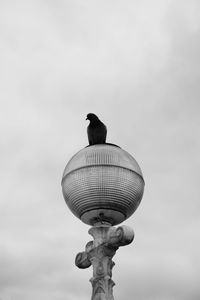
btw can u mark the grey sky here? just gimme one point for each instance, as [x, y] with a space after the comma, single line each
[135, 64]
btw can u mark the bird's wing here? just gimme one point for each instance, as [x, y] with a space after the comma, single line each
[103, 131]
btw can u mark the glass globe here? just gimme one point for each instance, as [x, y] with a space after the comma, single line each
[102, 183]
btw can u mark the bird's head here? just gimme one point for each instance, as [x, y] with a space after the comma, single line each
[92, 117]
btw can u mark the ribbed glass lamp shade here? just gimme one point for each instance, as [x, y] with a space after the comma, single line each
[102, 183]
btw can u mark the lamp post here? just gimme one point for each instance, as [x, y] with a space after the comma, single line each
[103, 186]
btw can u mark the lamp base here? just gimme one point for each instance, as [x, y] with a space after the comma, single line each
[102, 215]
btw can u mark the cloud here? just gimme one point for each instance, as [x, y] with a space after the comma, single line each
[136, 64]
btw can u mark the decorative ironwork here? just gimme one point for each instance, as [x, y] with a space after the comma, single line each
[99, 254]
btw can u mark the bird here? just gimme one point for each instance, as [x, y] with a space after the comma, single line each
[96, 130]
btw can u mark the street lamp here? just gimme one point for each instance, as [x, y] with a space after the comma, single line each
[103, 186]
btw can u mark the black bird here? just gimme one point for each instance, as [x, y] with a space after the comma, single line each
[96, 130]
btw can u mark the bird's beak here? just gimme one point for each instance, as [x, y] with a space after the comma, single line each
[86, 118]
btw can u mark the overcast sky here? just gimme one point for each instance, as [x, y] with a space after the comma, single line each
[136, 64]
